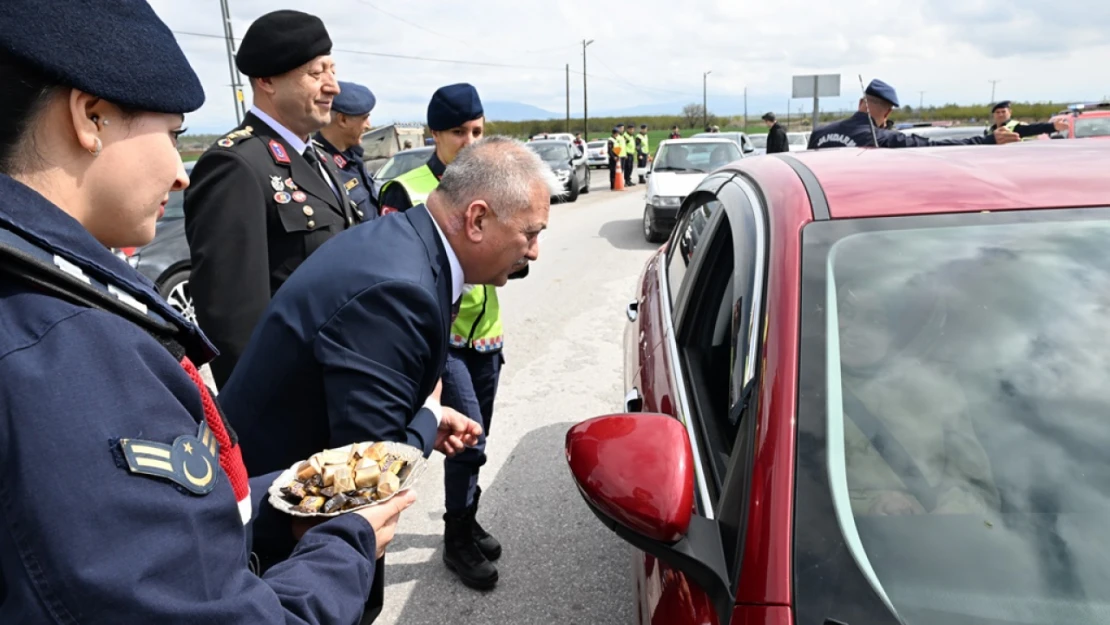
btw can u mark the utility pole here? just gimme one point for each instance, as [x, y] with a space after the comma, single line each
[745, 109]
[921, 100]
[993, 83]
[236, 80]
[585, 107]
[704, 98]
[568, 97]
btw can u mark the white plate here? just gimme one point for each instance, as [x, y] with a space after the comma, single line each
[408, 453]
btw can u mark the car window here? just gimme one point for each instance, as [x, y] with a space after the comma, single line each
[175, 208]
[953, 385]
[695, 157]
[552, 153]
[686, 238]
[759, 141]
[795, 139]
[1092, 127]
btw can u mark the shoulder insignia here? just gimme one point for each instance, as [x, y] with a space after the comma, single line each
[225, 143]
[340, 162]
[230, 138]
[191, 461]
[352, 183]
[278, 152]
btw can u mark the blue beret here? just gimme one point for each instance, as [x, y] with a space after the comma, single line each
[1005, 104]
[118, 50]
[883, 91]
[353, 99]
[615, 129]
[281, 41]
[452, 106]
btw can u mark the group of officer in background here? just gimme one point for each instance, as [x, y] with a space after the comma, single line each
[630, 149]
[270, 193]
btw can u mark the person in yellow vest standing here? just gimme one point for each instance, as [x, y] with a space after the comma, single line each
[456, 119]
[642, 151]
[1002, 115]
[629, 153]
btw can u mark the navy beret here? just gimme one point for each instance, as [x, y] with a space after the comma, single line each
[883, 91]
[1005, 104]
[615, 129]
[454, 105]
[120, 51]
[281, 41]
[353, 99]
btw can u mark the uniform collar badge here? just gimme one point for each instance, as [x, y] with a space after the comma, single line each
[278, 152]
[340, 162]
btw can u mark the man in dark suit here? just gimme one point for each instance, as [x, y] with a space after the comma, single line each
[264, 197]
[353, 345]
[776, 135]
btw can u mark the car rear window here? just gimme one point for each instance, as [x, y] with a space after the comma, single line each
[1092, 127]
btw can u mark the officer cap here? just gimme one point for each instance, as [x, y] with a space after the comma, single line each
[631, 124]
[454, 105]
[615, 129]
[281, 41]
[1005, 104]
[353, 99]
[643, 126]
[620, 125]
[883, 91]
[120, 51]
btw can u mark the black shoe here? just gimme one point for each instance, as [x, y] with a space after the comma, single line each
[489, 545]
[462, 555]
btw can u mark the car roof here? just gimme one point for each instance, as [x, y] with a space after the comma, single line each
[696, 140]
[423, 148]
[871, 182]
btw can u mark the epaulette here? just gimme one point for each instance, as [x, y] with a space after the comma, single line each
[232, 137]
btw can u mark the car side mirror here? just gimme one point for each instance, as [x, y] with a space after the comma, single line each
[636, 474]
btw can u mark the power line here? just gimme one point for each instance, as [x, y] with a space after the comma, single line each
[635, 86]
[400, 56]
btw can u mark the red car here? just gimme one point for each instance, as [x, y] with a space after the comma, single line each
[1088, 121]
[870, 387]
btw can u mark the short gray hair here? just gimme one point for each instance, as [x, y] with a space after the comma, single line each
[499, 170]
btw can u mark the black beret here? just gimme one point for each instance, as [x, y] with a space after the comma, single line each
[120, 51]
[1005, 104]
[281, 41]
[353, 99]
[454, 105]
[883, 91]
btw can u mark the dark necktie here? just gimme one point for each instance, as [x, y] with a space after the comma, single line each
[314, 160]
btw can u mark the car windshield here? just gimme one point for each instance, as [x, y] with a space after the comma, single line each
[1092, 127]
[552, 152]
[403, 162]
[695, 157]
[596, 145]
[759, 141]
[954, 419]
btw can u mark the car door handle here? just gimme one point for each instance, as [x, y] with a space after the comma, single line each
[633, 310]
[633, 401]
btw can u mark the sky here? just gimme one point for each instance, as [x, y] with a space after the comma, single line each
[657, 52]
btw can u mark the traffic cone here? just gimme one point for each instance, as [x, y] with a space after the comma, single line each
[618, 184]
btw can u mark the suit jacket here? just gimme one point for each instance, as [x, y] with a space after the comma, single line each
[253, 212]
[349, 348]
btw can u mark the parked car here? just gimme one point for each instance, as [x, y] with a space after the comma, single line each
[946, 132]
[799, 141]
[869, 386]
[401, 163]
[759, 142]
[678, 167]
[1087, 121]
[554, 136]
[596, 155]
[568, 164]
[165, 260]
[741, 139]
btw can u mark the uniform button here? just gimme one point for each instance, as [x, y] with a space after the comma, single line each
[311, 224]
[308, 212]
[361, 214]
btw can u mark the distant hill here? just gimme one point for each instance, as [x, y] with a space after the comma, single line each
[516, 112]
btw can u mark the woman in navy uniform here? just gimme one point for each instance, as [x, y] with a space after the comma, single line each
[124, 498]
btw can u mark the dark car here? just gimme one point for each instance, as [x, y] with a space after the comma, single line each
[568, 163]
[165, 260]
[869, 387]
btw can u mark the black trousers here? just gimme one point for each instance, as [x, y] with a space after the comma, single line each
[612, 173]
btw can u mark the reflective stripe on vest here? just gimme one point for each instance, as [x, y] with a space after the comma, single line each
[479, 322]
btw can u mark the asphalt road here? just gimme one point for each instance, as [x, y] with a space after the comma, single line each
[564, 330]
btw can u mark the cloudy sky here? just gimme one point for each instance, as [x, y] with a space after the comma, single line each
[516, 50]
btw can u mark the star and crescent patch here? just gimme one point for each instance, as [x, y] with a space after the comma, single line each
[191, 461]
